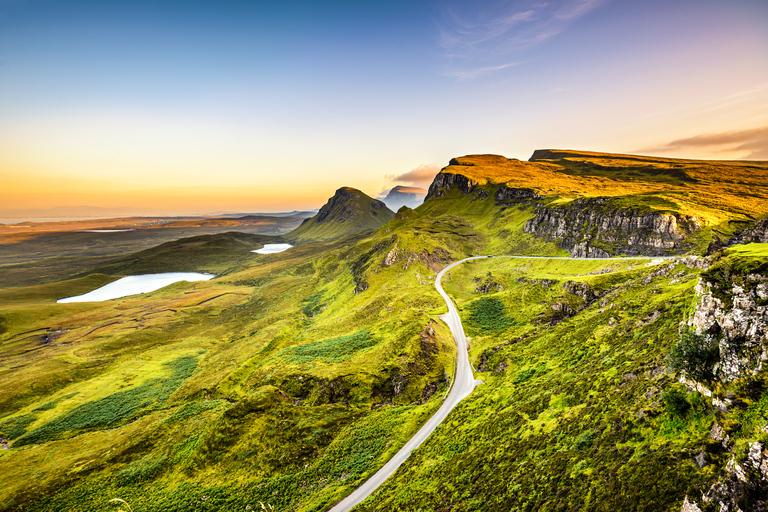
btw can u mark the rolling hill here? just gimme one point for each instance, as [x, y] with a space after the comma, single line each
[634, 384]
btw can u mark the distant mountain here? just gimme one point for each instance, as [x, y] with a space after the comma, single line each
[348, 211]
[401, 196]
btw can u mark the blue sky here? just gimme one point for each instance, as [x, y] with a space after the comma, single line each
[210, 106]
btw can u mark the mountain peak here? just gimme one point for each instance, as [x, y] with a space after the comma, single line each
[404, 196]
[348, 211]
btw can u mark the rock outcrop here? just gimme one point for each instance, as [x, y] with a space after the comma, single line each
[506, 194]
[444, 182]
[741, 323]
[757, 233]
[594, 228]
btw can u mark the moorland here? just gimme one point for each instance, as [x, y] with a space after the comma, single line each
[290, 378]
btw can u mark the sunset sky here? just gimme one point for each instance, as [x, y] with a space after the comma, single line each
[203, 106]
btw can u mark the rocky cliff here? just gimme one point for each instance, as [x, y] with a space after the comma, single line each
[595, 228]
[445, 182]
[741, 323]
[732, 310]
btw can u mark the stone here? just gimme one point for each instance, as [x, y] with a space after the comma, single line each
[689, 506]
[701, 459]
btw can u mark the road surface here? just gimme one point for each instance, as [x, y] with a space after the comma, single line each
[463, 384]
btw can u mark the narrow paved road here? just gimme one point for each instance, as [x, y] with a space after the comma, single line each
[463, 384]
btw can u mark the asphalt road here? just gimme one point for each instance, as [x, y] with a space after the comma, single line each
[463, 384]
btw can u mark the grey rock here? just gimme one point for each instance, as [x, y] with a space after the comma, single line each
[587, 223]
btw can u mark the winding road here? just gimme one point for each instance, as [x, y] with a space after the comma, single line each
[463, 384]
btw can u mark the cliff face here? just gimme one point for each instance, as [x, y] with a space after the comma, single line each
[741, 321]
[444, 182]
[757, 233]
[732, 306]
[594, 228]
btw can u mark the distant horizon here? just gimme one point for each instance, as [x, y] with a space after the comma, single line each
[196, 107]
[74, 212]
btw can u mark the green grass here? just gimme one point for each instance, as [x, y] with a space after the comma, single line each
[290, 378]
[334, 350]
[113, 409]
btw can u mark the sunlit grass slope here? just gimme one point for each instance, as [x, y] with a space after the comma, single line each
[289, 378]
[274, 383]
[716, 191]
[570, 417]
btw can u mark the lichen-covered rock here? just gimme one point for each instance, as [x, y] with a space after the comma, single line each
[741, 325]
[689, 506]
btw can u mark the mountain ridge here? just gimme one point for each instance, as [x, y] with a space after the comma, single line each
[348, 211]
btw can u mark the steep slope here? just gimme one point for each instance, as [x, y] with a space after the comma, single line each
[292, 377]
[595, 204]
[348, 211]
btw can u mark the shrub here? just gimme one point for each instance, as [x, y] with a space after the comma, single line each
[675, 403]
[312, 305]
[333, 349]
[14, 427]
[488, 314]
[584, 440]
[696, 354]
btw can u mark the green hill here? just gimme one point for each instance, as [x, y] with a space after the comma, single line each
[291, 378]
[348, 211]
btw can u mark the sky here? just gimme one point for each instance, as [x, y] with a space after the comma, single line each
[194, 106]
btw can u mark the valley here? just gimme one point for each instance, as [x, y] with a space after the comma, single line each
[582, 281]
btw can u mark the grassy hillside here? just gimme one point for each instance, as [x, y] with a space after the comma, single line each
[714, 190]
[570, 416]
[240, 389]
[291, 377]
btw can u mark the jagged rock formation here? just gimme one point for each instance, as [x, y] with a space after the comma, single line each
[732, 306]
[594, 228]
[756, 233]
[741, 325]
[444, 182]
[348, 211]
[401, 196]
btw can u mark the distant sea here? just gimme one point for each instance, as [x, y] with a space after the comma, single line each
[55, 219]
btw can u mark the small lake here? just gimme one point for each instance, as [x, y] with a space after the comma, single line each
[134, 285]
[273, 248]
[104, 230]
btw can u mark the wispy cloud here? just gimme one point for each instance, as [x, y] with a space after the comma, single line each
[481, 37]
[752, 144]
[474, 73]
[421, 176]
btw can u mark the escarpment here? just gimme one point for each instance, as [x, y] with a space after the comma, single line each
[594, 228]
[444, 182]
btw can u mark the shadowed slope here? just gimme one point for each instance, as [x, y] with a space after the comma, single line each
[348, 211]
